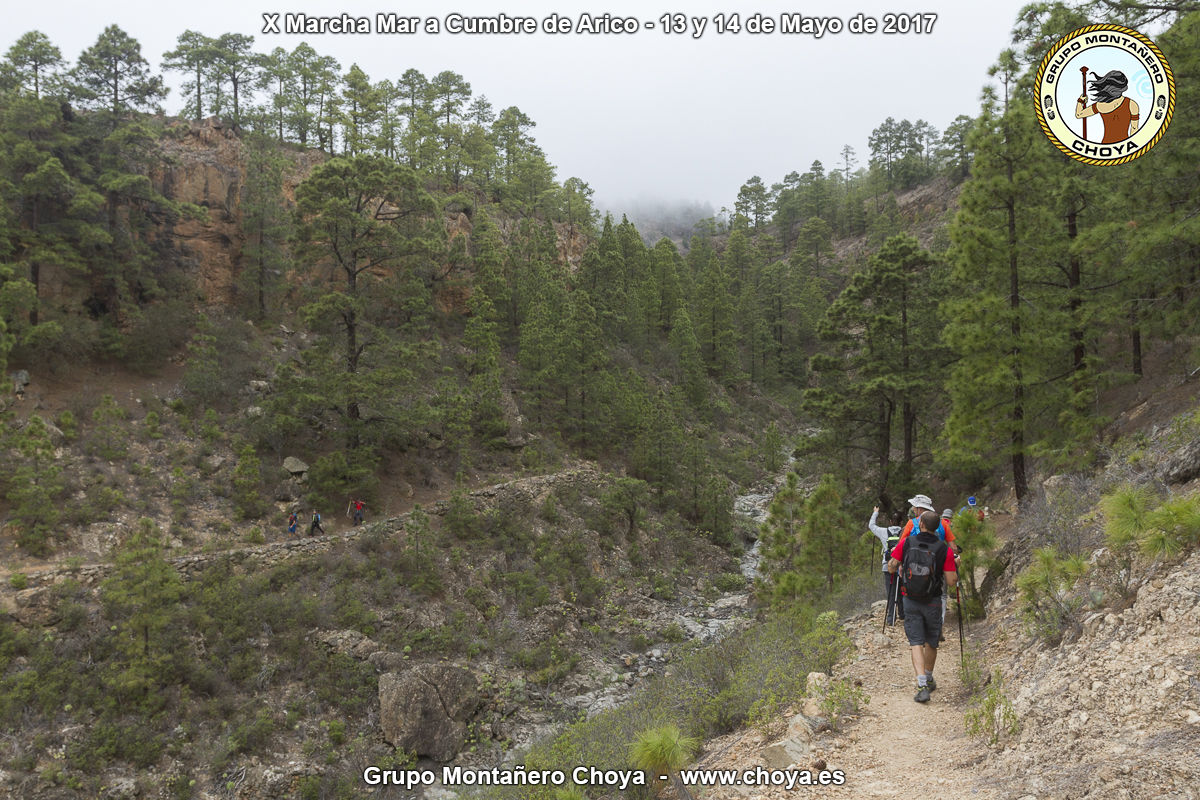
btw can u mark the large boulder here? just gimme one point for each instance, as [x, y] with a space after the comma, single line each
[34, 608]
[350, 643]
[1183, 465]
[426, 710]
[294, 467]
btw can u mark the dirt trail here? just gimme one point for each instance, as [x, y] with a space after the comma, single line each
[896, 748]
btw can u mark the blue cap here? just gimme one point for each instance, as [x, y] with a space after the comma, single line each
[970, 501]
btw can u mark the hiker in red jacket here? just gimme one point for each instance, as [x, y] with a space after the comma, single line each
[926, 564]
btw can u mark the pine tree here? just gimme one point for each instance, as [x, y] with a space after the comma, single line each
[885, 355]
[267, 225]
[361, 110]
[275, 76]
[1156, 237]
[311, 77]
[538, 350]
[782, 545]
[955, 150]
[664, 750]
[1007, 386]
[577, 205]
[360, 217]
[194, 55]
[56, 213]
[483, 368]
[142, 597]
[828, 549]
[667, 296]
[714, 307]
[35, 63]
[582, 361]
[35, 486]
[112, 74]
[753, 201]
[237, 65]
[108, 438]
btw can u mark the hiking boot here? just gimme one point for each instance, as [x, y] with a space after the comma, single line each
[930, 683]
[922, 694]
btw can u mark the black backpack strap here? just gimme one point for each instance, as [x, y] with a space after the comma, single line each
[939, 559]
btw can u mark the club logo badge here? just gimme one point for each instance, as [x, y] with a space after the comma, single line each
[1105, 94]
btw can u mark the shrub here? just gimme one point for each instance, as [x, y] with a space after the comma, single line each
[549, 510]
[67, 424]
[460, 518]
[992, 714]
[664, 750]
[971, 672]
[549, 659]
[730, 582]
[842, 699]
[252, 735]
[151, 423]
[673, 633]
[1135, 523]
[333, 477]
[1049, 604]
[712, 689]
[108, 440]
[121, 740]
[247, 476]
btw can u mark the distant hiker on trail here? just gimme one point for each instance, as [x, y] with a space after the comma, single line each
[316, 524]
[973, 506]
[357, 506]
[889, 537]
[293, 523]
[925, 565]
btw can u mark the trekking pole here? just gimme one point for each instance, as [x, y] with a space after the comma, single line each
[887, 605]
[889, 608]
[962, 659]
[899, 598]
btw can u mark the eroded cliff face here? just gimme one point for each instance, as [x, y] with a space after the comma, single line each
[204, 163]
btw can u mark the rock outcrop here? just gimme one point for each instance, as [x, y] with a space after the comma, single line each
[204, 163]
[1181, 466]
[427, 709]
[1116, 712]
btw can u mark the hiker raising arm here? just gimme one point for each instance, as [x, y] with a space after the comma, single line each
[888, 537]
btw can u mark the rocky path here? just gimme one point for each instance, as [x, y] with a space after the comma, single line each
[895, 748]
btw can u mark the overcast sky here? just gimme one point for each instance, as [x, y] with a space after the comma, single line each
[643, 115]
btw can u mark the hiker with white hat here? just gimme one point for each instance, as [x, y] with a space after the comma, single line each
[920, 504]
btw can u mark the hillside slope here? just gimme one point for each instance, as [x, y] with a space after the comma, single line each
[1105, 705]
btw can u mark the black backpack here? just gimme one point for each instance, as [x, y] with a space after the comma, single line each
[893, 537]
[923, 566]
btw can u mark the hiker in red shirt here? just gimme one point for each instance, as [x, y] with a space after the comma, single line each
[925, 563]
